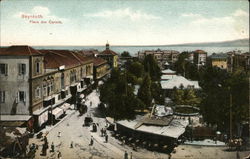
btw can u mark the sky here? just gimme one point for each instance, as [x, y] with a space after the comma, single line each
[121, 22]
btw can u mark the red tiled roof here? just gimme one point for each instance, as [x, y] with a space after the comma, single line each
[98, 61]
[19, 50]
[200, 51]
[57, 58]
[108, 52]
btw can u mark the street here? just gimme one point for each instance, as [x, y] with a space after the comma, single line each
[72, 131]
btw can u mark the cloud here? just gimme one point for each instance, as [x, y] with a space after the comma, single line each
[40, 10]
[240, 13]
[191, 15]
[124, 13]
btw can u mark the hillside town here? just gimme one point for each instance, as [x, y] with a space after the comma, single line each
[104, 104]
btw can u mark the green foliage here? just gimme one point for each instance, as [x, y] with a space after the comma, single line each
[157, 93]
[125, 54]
[151, 66]
[119, 96]
[185, 97]
[144, 92]
[185, 67]
[137, 69]
[217, 86]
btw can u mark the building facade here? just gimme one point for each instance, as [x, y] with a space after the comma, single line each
[218, 60]
[41, 83]
[161, 56]
[110, 56]
[200, 58]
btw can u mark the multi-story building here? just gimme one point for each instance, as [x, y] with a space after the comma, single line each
[161, 56]
[101, 68]
[218, 60]
[199, 57]
[238, 60]
[110, 56]
[37, 82]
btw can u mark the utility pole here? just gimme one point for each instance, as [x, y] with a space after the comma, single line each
[231, 124]
[249, 111]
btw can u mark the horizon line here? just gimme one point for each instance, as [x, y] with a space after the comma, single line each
[139, 45]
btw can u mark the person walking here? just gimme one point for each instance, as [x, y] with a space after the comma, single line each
[71, 144]
[131, 156]
[106, 138]
[59, 155]
[125, 155]
[91, 141]
[59, 134]
[52, 147]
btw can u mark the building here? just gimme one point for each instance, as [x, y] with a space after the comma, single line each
[41, 83]
[110, 56]
[218, 60]
[238, 60]
[200, 58]
[101, 68]
[161, 56]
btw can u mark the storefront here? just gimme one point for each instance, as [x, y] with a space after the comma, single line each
[41, 117]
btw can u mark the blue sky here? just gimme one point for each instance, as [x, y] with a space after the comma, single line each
[127, 22]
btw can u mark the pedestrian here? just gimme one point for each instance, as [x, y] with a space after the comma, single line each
[104, 131]
[106, 138]
[169, 156]
[52, 147]
[91, 141]
[71, 144]
[44, 150]
[101, 132]
[59, 134]
[125, 155]
[59, 155]
[45, 140]
[131, 156]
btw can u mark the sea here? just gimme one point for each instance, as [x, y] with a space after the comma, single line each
[133, 50]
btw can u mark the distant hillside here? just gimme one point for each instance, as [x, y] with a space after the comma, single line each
[234, 43]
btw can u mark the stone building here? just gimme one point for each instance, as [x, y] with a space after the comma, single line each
[200, 58]
[110, 56]
[218, 60]
[38, 83]
[161, 56]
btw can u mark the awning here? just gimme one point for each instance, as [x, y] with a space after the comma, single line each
[15, 117]
[57, 112]
[42, 118]
[65, 106]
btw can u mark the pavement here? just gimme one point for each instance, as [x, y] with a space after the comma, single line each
[73, 131]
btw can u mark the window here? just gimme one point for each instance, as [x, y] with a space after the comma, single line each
[44, 90]
[37, 67]
[38, 92]
[21, 69]
[21, 97]
[3, 69]
[2, 96]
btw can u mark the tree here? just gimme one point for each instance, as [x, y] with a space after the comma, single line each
[151, 66]
[185, 97]
[125, 54]
[144, 92]
[119, 96]
[157, 93]
[136, 68]
[217, 85]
